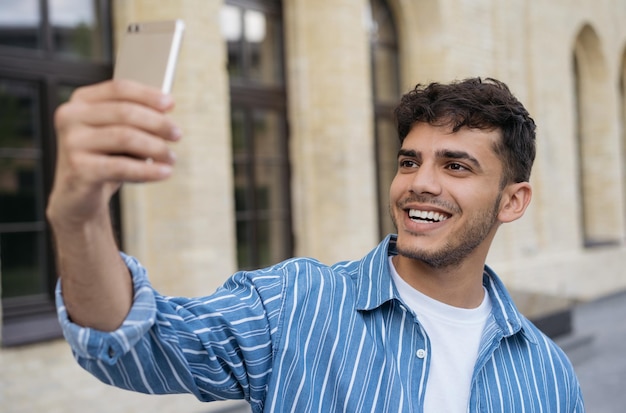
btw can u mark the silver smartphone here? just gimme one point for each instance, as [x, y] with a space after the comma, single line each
[148, 52]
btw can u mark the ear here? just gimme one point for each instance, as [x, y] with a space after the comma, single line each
[515, 200]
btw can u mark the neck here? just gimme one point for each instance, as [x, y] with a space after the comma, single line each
[459, 286]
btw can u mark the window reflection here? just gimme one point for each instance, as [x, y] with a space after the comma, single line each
[76, 29]
[253, 34]
[261, 198]
[61, 43]
[21, 267]
[254, 45]
[19, 151]
[75, 32]
[21, 204]
[18, 194]
[18, 112]
[20, 23]
[254, 23]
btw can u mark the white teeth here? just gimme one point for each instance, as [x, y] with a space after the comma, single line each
[427, 215]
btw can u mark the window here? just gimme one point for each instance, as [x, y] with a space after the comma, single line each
[598, 161]
[47, 48]
[386, 92]
[253, 32]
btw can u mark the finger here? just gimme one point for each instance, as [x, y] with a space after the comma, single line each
[127, 141]
[137, 116]
[103, 168]
[127, 90]
[126, 114]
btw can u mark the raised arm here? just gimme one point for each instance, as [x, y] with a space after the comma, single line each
[107, 134]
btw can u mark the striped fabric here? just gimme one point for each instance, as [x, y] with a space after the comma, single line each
[305, 337]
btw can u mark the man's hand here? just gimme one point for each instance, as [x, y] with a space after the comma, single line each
[107, 134]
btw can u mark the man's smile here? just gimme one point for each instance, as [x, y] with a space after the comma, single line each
[426, 216]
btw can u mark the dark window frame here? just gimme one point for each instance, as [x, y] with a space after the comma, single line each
[383, 110]
[248, 96]
[32, 318]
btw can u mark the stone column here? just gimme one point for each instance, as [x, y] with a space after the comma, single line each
[183, 229]
[331, 131]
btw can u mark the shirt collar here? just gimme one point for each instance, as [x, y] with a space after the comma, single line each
[374, 282]
[375, 287]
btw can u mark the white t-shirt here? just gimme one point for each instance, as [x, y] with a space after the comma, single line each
[454, 335]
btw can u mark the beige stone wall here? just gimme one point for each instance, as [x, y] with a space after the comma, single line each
[530, 45]
[333, 181]
[183, 229]
[545, 252]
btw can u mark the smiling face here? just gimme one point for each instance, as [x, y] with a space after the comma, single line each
[445, 198]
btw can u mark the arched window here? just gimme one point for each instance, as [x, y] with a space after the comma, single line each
[386, 92]
[596, 150]
[253, 31]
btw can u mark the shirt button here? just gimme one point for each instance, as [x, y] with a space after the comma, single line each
[421, 353]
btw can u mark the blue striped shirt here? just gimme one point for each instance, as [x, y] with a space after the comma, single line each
[301, 336]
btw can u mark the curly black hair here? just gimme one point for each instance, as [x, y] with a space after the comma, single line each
[477, 104]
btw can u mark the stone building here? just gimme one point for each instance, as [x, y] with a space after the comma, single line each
[289, 146]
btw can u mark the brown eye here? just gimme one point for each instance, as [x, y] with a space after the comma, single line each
[407, 163]
[457, 167]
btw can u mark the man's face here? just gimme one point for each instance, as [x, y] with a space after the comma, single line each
[445, 197]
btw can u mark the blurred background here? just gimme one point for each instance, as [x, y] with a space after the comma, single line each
[289, 149]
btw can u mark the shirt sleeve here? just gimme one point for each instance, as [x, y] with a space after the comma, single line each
[94, 344]
[215, 347]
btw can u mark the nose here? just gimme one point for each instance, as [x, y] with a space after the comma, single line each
[426, 180]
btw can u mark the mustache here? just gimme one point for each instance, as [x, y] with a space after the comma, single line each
[427, 200]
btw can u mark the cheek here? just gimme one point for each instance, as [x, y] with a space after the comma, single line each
[477, 199]
[397, 188]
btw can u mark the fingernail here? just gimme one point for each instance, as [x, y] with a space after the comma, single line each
[176, 134]
[165, 170]
[166, 101]
[171, 157]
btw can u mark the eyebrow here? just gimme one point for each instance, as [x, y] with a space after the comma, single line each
[409, 153]
[442, 154]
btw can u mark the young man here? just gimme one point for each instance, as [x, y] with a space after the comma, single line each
[418, 324]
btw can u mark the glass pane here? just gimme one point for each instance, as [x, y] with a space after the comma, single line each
[254, 45]
[77, 29]
[271, 241]
[243, 201]
[244, 247]
[386, 69]
[20, 163]
[268, 134]
[384, 27]
[65, 92]
[20, 264]
[237, 127]
[270, 189]
[19, 115]
[20, 22]
[388, 146]
[263, 39]
[231, 24]
[18, 191]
